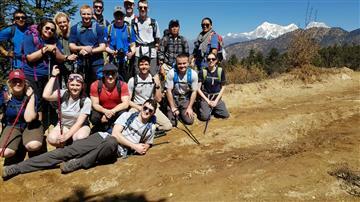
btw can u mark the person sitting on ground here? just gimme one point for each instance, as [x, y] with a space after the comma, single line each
[21, 120]
[133, 133]
[181, 86]
[143, 87]
[211, 89]
[74, 111]
[109, 97]
[120, 44]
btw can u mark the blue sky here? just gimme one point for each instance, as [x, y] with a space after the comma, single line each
[242, 16]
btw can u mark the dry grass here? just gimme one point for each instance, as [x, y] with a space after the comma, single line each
[239, 74]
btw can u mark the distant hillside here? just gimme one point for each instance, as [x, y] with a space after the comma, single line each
[325, 36]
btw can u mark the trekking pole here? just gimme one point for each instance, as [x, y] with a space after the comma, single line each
[59, 106]
[187, 131]
[13, 126]
[208, 120]
[48, 106]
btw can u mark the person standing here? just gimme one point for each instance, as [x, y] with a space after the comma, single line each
[129, 7]
[15, 34]
[120, 44]
[171, 45]
[87, 40]
[147, 36]
[98, 7]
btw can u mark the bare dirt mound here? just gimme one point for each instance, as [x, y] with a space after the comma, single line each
[285, 140]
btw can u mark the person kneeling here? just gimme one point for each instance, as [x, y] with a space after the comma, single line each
[132, 133]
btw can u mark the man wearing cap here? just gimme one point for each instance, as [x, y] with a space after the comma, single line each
[120, 43]
[98, 6]
[171, 46]
[109, 97]
[147, 36]
[87, 39]
[129, 6]
[21, 121]
[143, 87]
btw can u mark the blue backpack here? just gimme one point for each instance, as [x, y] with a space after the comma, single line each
[188, 76]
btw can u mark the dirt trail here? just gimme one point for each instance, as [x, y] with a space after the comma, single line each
[281, 142]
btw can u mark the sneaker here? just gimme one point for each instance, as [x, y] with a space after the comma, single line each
[10, 171]
[70, 166]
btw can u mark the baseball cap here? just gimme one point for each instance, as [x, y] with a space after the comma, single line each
[17, 74]
[144, 57]
[119, 9]
[174, 22]
[132, 1]
[110, 67]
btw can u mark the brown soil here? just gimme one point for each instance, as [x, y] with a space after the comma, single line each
[285, 140]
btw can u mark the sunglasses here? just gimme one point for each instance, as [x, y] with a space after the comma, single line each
[49, 28]
[145, 108]
[76, 77]
[20, 18]
[99, 7]
[205, 25]
[143, 7]
[16, 81]
[211, 59]
[110, 73]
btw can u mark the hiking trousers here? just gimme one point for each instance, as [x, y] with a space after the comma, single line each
[219, 111]
[91, 150]
[181, 105]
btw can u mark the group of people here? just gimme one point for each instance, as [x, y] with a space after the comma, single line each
[125, 67]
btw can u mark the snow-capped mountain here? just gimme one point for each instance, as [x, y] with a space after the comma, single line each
[265, 30]
[316, 24]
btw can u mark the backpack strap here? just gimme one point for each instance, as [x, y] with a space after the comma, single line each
[204, 71]
[154, 27]
[118, 86]
[188, 76]
[219, 72]
[109, 30]
[79, 29]
[12, 30]
[99, 88]
[135, 84]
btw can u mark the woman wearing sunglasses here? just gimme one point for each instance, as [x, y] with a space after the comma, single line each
[21, 120]
[207, 42]
[75, 109]
[211, 82]
[62, 21]
[40, 51]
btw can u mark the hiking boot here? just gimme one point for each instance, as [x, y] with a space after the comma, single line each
[10, 171]
[70, 166]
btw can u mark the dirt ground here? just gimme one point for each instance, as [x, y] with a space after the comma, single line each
[285, 140]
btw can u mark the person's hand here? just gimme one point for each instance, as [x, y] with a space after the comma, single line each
[114, 53]
[72, 57]
[109, 113]
[29, 91]
[175, 111]
[140, 148]
[88, 49]
[212, 104]
[10, 54]
[104, 119]
[157, 79]
[189, 112]
[55, 71]
[49, 48]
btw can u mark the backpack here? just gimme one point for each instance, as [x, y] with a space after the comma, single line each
[118, 86]
[221, 54]
[147, 127]
[136, 83]
[110, 29]
[219, 72]
[188, 76]
[135, 26]
[32, 30]
[80, 29]
[182, 40]
[66, 96]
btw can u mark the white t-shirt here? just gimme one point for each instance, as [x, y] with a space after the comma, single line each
[144, 89]
[182, 88]
[145, 35]
[132, 133]
[70, 110]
